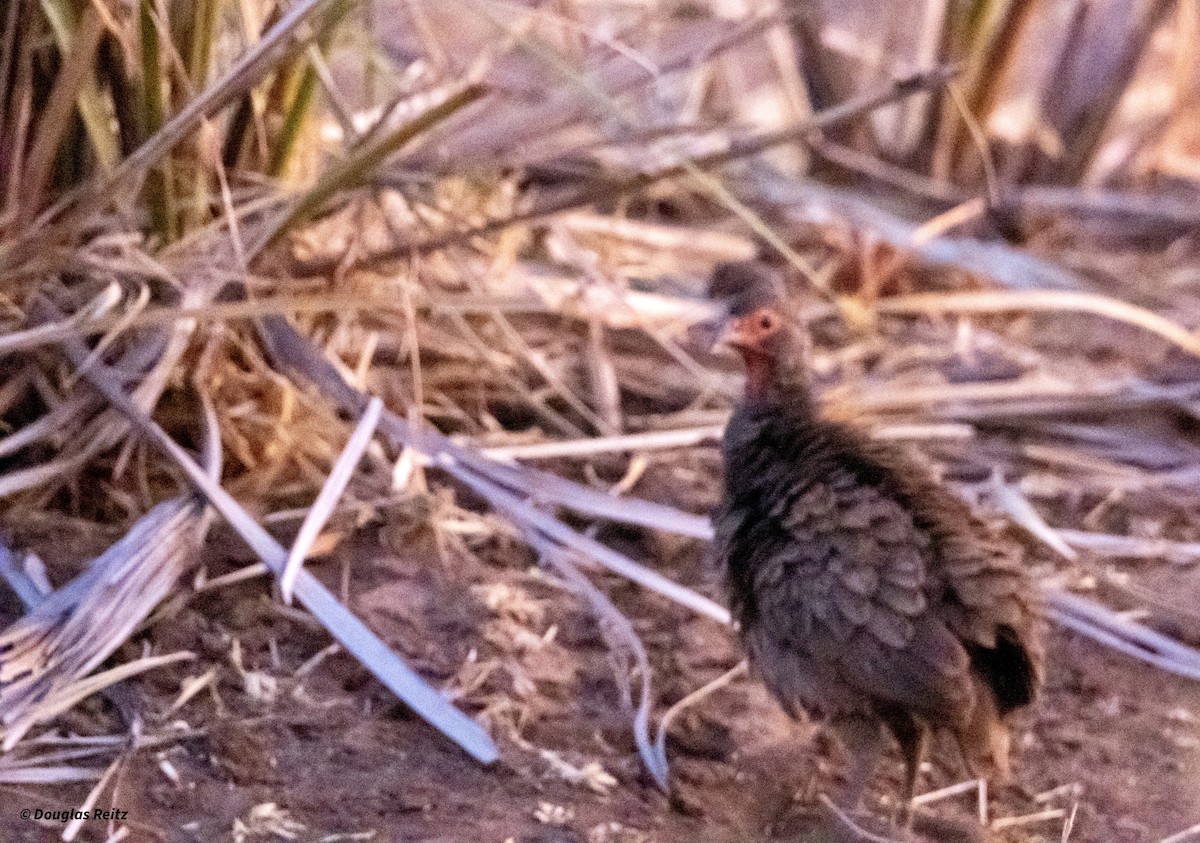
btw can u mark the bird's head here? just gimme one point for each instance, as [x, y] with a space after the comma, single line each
[760, 324]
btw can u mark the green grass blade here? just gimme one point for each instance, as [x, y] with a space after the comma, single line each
[159, 196]
[302, 99]
[64, 22]
[362, 163]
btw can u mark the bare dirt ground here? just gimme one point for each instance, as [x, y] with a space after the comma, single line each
[1116, 741]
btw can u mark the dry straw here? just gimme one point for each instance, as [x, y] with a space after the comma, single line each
[520, 240]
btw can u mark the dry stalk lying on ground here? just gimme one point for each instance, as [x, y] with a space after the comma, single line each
[458, 315]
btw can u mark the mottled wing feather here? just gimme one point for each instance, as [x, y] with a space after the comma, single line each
[847, 588]
[860, 582]
[992, 606]
[985, 595]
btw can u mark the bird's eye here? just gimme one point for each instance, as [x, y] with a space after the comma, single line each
[766, 322]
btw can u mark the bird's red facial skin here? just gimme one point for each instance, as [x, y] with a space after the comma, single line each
[752, 330]
[749, 335]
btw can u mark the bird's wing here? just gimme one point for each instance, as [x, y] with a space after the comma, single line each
[991, 605]
[849, 589]
[984, 594]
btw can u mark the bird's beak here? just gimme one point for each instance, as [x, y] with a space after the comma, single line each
[720, 331]
[732, 334]
[703, 336]
[729, 334]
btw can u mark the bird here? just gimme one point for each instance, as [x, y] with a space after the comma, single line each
[866, 594]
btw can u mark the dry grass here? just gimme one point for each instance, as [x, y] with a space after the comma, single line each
[506, 244]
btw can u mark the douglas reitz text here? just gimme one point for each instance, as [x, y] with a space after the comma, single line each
[67, 816]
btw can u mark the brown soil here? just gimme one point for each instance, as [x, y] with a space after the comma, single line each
[347, 762]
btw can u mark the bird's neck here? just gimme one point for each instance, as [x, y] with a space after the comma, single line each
[775, 427]
[777, 383]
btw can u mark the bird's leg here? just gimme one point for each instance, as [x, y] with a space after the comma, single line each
[912, 737]
[913, 755]
[862, 737]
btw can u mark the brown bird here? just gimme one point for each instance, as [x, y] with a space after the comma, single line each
[865, 592]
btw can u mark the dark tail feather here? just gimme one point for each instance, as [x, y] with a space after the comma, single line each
[984, 739]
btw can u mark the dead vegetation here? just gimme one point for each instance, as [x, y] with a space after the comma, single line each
[225, 227]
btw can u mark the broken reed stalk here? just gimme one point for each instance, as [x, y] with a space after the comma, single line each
[47, 654]
[703, 692]
[621, 638]
[337, 619]
[327, 498]
[618, 184]
[512, 489]
[1045, 301]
